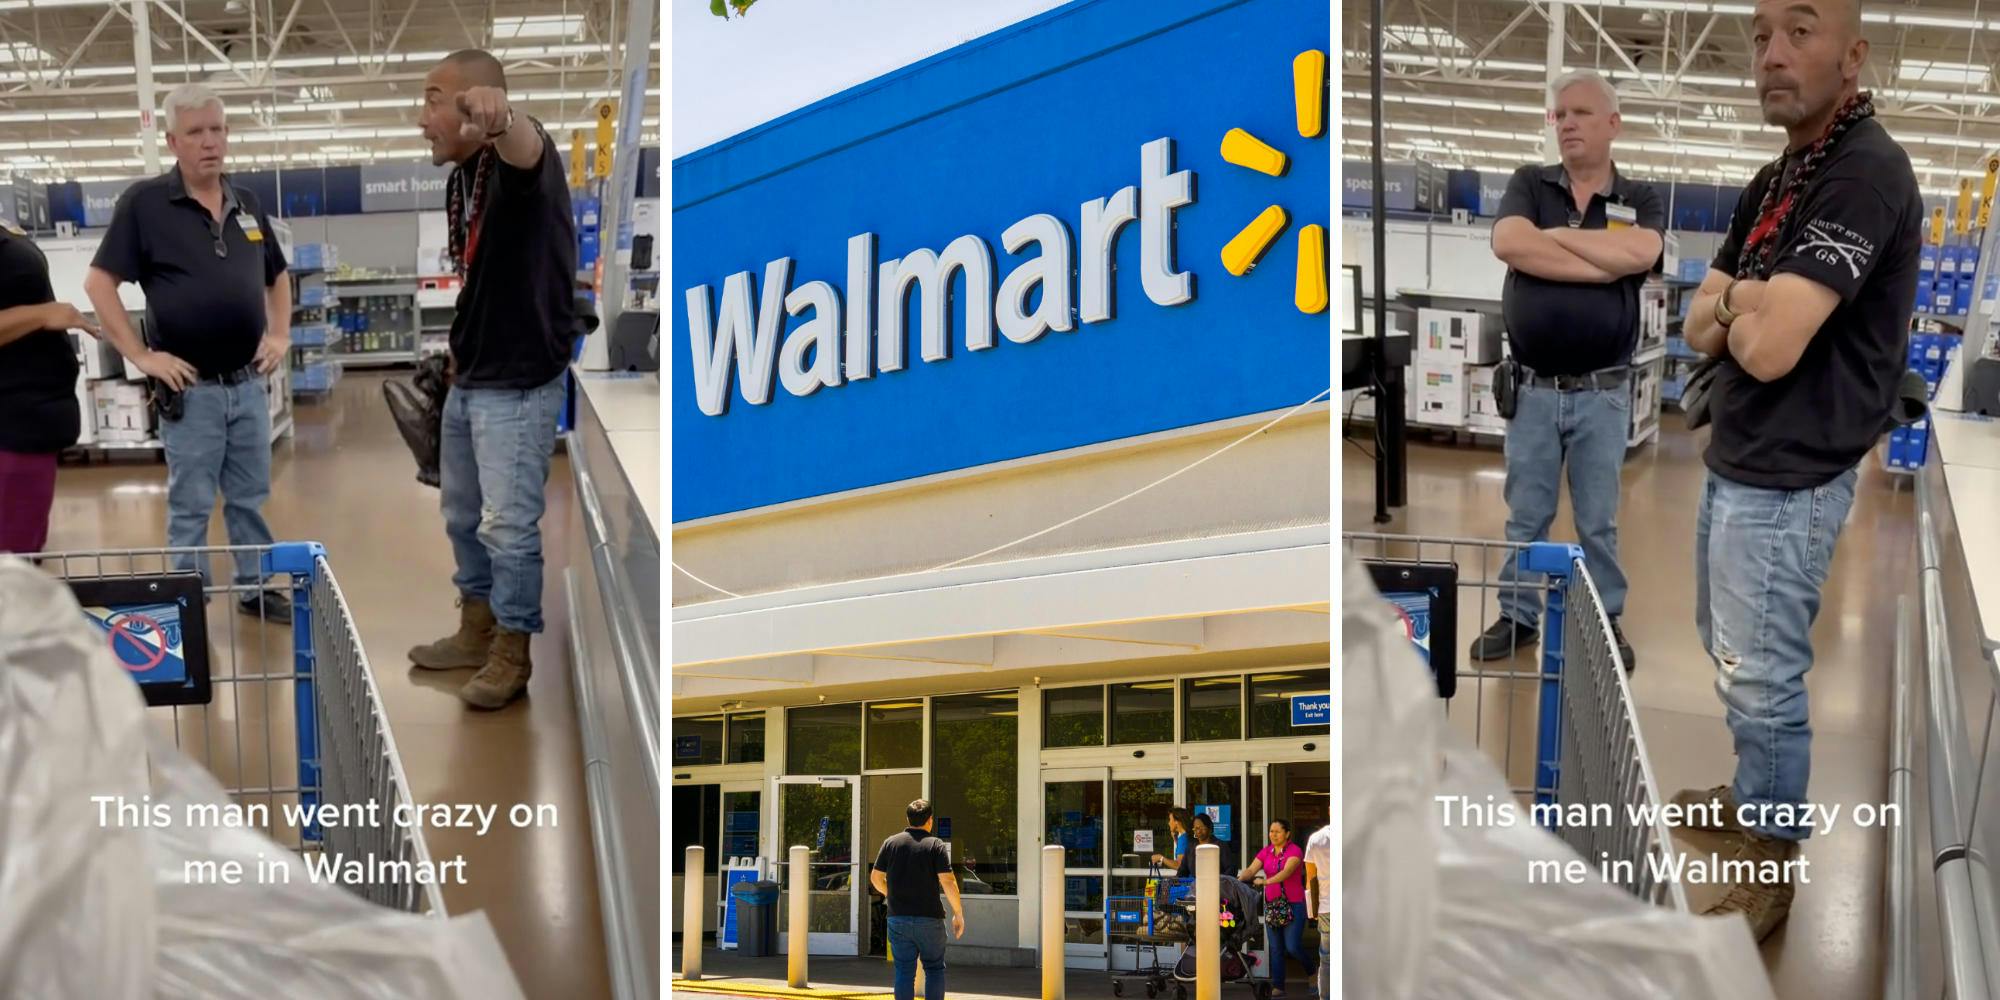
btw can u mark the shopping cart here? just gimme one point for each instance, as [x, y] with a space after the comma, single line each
[288, 717]
[1138, 917]
[1568, 731]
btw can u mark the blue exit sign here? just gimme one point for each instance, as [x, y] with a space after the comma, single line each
[1312, 710]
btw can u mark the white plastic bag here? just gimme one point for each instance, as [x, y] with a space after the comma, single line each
[93, 911]
[1431, 911]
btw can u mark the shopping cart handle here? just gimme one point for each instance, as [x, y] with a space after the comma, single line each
[1552, 558]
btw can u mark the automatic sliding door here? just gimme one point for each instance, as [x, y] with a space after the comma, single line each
[1073, 816]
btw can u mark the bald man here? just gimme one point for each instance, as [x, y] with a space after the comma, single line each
[1807, 307]
[513, 243]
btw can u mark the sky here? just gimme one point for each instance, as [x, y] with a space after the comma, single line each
[729, 76]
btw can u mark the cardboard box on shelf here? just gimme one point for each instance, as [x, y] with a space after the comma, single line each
[1479, 401]
[1446, 336]
[116, 393]
[1440, 392]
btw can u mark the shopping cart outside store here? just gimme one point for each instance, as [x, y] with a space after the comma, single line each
[285, 716]
[1564, 731]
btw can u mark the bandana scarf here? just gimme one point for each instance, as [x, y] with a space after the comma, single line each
[467, 185]
[1760, 247]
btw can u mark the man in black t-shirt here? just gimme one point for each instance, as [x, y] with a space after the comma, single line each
[39, 416]
[1808, 307]
[514, 244]
[1577, 238]
[910, 870]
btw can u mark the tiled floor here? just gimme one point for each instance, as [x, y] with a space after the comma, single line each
[1831, 947]
[346, 480]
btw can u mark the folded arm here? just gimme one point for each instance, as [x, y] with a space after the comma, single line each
[1620, 251]
[1768, 341]
[1524, 248]
[1703, 331]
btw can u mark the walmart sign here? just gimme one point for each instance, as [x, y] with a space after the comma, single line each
[1031, 243]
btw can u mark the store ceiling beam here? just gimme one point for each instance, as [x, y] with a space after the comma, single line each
[1617, 49]
[1494, 42]
[77, 53]
[278, 42]
[205, 43]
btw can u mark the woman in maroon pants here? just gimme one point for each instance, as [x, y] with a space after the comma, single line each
[39, 416]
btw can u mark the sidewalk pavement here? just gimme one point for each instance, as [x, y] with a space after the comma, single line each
[727, 974]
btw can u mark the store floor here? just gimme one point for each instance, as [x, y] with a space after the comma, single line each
[346, 480]
[1831, 947]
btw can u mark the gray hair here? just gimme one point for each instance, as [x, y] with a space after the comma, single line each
[188, 97]
[1588, 77]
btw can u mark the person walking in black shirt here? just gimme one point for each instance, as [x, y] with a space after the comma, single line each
[514, 244]
[1807, 305]
[219, 314]
[910, 870]
[39, 416]
[1577, 238]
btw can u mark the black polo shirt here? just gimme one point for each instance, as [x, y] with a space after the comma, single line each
[1858, 231]
[912, 861]
[1572, 328]
[38, 410]
[516, 319]
[204, 307]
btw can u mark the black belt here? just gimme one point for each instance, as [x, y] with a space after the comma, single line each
[1609, 378]
[237, 377]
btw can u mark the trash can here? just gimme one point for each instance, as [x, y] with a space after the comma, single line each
[756, 918]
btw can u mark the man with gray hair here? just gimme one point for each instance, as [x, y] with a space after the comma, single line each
[219, 313]
[1577, 239]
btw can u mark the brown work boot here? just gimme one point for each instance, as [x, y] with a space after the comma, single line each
[465, 648]
[1763, 897]
[1689, 797]
[505, 676]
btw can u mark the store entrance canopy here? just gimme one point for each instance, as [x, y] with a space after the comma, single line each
[1223, 593]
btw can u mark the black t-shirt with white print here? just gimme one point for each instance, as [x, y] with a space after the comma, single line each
[1857, 231]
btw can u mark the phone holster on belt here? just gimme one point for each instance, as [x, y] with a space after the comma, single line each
[166, 402]
[1506, 388]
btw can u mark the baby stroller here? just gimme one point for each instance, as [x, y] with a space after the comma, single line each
[1241, 931]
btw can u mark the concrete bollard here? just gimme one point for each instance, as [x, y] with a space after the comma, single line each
[799, 887]
[1052, 922]
[1208, 922]
[691, 915]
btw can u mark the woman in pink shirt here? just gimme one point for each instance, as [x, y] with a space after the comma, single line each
[1280, 869]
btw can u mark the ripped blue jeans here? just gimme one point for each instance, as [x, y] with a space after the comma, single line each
[493, 459]
[1761, 557]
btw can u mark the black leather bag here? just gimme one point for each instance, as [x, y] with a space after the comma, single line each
[1696, 394]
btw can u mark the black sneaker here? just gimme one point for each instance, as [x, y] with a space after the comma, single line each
[271, 605]
[1624, 648]
[1503, 640]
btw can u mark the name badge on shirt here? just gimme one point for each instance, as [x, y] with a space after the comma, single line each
[251, 230]
[1620, 217]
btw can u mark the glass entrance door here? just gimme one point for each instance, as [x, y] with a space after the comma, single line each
[1140, 801]
[1217, 791]
[885, 800]
[1073, 815]
[820, 812]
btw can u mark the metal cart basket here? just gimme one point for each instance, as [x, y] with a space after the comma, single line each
[1563, 730]
[292, 718]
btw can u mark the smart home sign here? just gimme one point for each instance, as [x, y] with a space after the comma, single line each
[834, 348]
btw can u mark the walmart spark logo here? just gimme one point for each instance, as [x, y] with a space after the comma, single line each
[1241, 148]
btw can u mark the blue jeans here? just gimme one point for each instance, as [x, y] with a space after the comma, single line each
[221, 443]
[1761, 556]
[913, 938]
[1290, 939]
[1325, 955]
[1584, 430]
[493, 468]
